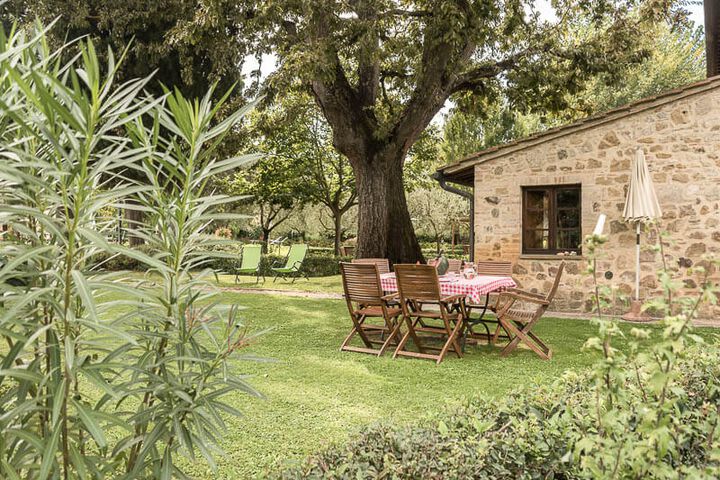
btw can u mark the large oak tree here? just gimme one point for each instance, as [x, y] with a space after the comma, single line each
[380, 70]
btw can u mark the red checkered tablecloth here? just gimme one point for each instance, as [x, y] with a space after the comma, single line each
[474, 289]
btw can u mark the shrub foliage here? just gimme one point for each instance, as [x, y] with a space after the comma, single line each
[101, 377]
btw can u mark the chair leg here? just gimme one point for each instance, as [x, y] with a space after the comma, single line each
[527, 337]
[452, 340]
[393, 335]
[357, 330]
[496, 335]
[409, 334]
[547, 351]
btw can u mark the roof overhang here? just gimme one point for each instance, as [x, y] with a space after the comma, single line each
[463, 171]
[462, 174]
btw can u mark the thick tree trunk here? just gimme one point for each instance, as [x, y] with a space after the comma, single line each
[384, 226]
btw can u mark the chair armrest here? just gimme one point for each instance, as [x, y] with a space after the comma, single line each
[452, 298]
[525, 293]
[522, 297]
[297, 265]
[391, 296]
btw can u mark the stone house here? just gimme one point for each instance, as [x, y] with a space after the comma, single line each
[536, 198]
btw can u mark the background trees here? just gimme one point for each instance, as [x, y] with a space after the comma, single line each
[676, 57]
[434, 212]
[380, 71]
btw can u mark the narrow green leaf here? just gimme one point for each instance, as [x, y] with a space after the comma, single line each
[92, 426]
[85, 293]
[48, 458]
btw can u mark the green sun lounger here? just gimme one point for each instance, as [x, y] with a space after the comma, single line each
[293, 263]
[250, 262]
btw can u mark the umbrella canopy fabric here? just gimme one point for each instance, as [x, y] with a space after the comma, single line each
[641, 203]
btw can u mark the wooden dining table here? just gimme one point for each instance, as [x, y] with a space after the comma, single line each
[474, 289]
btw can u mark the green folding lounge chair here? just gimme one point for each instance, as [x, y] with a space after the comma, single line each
[293, 263]
[250, 262]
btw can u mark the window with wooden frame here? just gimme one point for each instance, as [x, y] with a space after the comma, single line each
[551, 219]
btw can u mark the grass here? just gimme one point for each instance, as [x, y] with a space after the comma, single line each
[316, 395]
[331, 284]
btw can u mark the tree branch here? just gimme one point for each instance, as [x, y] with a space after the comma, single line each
[475, 78]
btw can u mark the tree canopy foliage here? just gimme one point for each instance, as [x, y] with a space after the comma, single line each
[155, 31]
[675, 58]
[380, 70]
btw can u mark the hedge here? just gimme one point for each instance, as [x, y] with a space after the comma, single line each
[317, 264]
[544, 432]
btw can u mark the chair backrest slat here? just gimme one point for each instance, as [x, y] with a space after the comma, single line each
[361, 282]
[454, 265]
[417, 282]
[297, 254]
[494, 268]
[383, 264]
[251, 255]
[556, 284]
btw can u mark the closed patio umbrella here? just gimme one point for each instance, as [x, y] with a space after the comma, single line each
[641, 205]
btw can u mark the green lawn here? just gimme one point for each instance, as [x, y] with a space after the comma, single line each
[331, 284]
[317, 395]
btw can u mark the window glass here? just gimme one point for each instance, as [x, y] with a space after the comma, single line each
[551, 219]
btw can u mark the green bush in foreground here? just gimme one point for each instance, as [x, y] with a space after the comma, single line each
[548, 432]
[639, 413]
[93, 386]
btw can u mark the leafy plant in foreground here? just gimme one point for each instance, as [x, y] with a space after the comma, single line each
[100, 377]
[187, 335]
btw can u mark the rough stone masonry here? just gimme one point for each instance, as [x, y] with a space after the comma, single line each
[680, 134]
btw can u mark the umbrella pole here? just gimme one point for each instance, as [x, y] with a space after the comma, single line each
[637, 262]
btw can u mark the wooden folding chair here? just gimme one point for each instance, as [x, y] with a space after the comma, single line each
[493, 268]
[454, 265]
[365, 300]
[519, 322]
[418, 286]
[383, 264]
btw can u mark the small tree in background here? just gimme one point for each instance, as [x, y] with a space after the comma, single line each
[271, 190]
[435, 211]
[295, 131]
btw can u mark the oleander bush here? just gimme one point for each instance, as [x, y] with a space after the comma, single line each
[101, 377]
[640, 412]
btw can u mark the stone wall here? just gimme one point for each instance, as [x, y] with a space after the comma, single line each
[681, 141]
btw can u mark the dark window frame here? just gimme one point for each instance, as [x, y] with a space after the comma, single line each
[553, 214]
